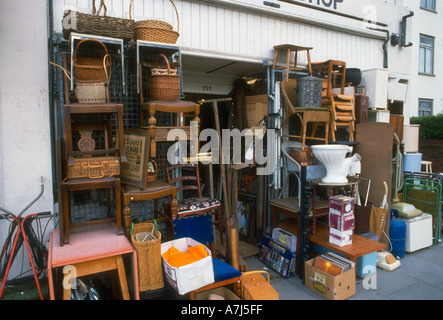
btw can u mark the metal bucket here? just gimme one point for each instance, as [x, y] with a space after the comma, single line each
[309, 92]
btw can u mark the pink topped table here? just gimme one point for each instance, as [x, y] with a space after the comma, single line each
[93, 249]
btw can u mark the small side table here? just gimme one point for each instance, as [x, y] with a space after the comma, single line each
[92, 250]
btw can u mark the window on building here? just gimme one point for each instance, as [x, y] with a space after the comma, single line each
[427, 4]
[426, 55]
[424, 107]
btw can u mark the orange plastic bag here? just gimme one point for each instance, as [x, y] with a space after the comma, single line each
[177, 259]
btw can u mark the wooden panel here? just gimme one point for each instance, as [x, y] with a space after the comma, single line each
[375, 147]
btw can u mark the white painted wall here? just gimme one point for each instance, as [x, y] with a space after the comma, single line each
[426, 87]
[25, 151]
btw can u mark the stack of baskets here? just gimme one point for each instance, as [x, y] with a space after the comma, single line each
[92, 75]
[156, 30]
[146, 239]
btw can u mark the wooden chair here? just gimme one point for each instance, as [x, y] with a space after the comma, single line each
[189, 179]
[317, 116]
[151, 107]
[342, 106]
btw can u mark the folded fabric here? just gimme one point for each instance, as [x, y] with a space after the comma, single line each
[177, 258]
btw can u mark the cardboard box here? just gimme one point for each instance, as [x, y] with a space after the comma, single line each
[342, 222]
[341, 213]
[340, 238]
[189, 277]
[341, 204]
[339, 287]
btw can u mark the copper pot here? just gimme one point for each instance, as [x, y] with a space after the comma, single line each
[303, 156]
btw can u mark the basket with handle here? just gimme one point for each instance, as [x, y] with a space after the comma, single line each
[97, 25]
[91, 91]
[164, 86]
[90, 68]
[146, 240]
[156, 30]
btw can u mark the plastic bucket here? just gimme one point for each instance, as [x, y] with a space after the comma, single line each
[412, 162]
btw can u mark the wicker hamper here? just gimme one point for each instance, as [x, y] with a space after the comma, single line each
[95, 24]
[146, 239]
[93, 167]
[164, 86]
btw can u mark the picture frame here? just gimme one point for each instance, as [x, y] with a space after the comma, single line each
[134, 170]
[246, 217]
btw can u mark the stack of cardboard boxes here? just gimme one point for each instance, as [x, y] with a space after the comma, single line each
[341, 220]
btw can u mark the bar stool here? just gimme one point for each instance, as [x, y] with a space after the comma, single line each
[287, 50]
[428, 166]
[92, 251]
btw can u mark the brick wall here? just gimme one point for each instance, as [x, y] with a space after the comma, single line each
[432, 150]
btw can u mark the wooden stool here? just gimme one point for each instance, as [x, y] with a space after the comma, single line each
[154, 191]
[288, 49]
[428, 166]
[92, 250]
[68, 186]
[334, 71]
[91, 109]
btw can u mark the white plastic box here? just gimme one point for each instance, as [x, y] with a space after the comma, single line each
[189, 277]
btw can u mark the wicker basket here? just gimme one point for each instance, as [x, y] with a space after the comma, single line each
[93, 168]
[146, 239]
[97, 25]
[90, 68]
[156, 30]
[164, 86]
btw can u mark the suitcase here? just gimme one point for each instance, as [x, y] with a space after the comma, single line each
[256, 287]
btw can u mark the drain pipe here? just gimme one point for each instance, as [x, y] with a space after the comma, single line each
[385, 50]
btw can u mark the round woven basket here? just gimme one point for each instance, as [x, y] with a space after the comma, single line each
[156, 30]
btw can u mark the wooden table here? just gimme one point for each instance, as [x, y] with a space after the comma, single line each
[93, 249]
[360, 246]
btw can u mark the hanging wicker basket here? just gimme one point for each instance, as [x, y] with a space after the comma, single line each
[164, 85]
[156, 30]
[91, 69]
[95, 24]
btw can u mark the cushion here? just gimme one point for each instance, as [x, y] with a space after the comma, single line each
[223, 271]
[193, 204]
